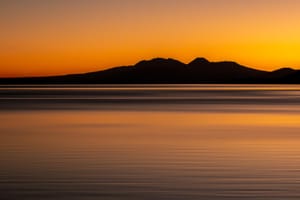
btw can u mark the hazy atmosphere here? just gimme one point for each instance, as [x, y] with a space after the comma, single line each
[68, 36]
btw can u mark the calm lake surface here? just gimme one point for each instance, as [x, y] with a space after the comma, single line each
[152, 142]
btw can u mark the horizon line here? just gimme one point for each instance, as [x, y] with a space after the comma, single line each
[132, 65]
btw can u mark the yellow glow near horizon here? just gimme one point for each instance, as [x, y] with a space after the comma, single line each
[61, 37]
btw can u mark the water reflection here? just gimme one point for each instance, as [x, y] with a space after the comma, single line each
[216, 151]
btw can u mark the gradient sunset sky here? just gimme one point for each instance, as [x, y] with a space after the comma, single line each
[47, 37]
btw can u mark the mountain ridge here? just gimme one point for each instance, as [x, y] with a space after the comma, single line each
[169, 71]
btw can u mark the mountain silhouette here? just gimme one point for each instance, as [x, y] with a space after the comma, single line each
[169, 71]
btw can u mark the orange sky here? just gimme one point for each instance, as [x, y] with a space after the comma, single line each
[69, 36]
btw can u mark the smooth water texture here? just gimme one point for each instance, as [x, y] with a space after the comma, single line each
[136, 142]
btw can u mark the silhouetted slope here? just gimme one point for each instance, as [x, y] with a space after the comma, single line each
[293, 77]
[201, 69]
[161, 70]
[283, 72]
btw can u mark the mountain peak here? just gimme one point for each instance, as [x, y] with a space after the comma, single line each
[158, 61]
[168, 70]
[285, 69]
[199, 61]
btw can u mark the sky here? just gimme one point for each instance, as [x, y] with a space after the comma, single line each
[48, 37]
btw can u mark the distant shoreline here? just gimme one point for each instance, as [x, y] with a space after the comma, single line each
[170, 71]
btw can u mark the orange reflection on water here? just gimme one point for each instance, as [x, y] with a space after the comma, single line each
[189, 153]
[56, 131]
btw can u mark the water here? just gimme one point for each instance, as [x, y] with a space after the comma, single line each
[150, 142]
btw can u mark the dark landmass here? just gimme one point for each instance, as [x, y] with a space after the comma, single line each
[170, 71]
